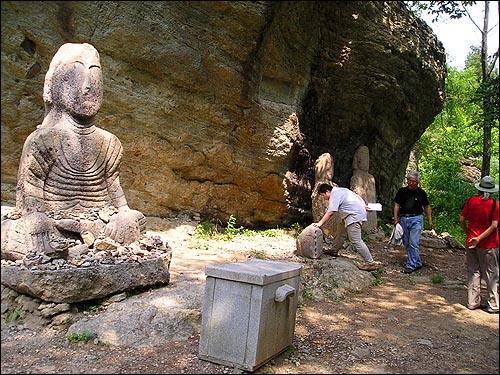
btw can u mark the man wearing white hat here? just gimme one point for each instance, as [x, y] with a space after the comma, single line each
[479, 220]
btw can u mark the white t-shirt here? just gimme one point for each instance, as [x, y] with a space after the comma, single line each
[350, 205]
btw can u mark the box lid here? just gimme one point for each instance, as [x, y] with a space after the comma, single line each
[254, 271]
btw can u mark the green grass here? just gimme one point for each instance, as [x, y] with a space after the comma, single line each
[437, 279]
[79, 337]
[13, 316]
[378, 275]
[259, 254]
[207, 230]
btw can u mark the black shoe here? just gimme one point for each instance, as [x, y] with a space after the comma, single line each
[408, 270]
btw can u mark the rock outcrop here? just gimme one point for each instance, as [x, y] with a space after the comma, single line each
[223, 107]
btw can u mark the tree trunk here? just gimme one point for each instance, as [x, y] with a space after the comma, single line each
[485, 76]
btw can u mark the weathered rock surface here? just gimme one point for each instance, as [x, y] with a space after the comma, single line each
[223, 107]
[81, 284]
[160, 316]
[443, 241]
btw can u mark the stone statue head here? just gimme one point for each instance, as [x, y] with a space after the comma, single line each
[361, 158]
[323, 168]
[73, 83]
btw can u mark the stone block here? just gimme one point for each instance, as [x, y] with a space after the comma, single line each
[310, 243]
[248, 313]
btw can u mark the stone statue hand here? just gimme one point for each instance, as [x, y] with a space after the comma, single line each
[126, 226]
[41, 232]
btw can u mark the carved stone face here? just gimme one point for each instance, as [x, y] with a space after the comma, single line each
[361, 159]
[77, 84]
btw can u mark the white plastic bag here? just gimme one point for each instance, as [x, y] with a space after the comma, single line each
[396, 238]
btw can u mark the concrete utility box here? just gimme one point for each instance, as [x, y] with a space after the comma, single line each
[248, 313]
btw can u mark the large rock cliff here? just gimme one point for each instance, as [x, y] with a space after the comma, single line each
[223, 107]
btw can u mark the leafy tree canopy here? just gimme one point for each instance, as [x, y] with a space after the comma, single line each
[453, 9]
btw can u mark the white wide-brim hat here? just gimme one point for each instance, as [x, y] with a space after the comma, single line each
[487, 184]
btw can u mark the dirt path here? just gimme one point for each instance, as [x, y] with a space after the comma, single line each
[406, 324]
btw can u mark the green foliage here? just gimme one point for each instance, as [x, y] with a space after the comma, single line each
[485, 92]
[258, 254]
[446, 189]
[296, 229]
[79, 337]
[378, 275]
[231, 230]
[473, 60]
[487, 96]
[456, 134]
[206, 230]
[457, 127]
[13, 316]
[387, 228]
[472, 98]
[437, 279]
[308, 295]
[440, 9]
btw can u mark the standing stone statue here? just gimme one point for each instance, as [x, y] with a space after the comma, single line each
[68, 180]
[323, 173]
[363, 183]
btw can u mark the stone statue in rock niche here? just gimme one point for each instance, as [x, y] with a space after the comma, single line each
[363, 183]
[68, 180]
[323, 173]
[333, 230]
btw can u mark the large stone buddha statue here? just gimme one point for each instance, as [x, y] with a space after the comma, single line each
[68, 180]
